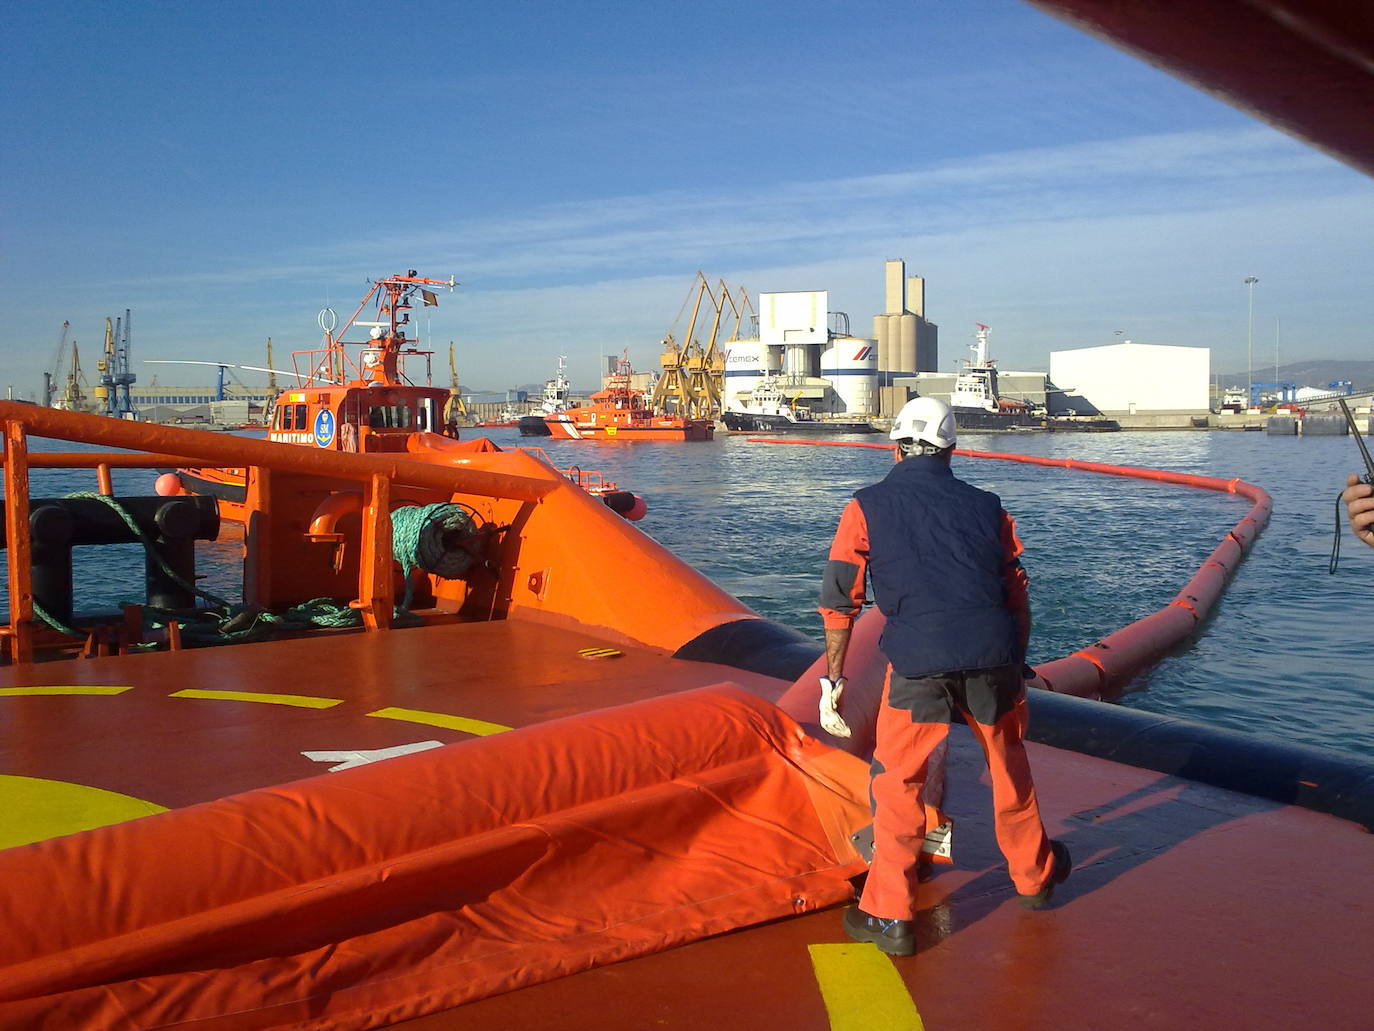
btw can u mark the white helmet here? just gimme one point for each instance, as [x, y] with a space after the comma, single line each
[925, 420]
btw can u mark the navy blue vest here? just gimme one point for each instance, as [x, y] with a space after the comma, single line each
[936, 560]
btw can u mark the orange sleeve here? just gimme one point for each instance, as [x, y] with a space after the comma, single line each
[842, 586]
[1013, 574]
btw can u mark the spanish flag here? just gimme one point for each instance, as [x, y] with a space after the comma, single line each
[431, 299]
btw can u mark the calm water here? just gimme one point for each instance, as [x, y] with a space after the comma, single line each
[1288, 652]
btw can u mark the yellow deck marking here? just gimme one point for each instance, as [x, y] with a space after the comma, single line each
[439, 719]
[65, 689]
[862, 990]
[298, 700]
[600, 653]
[37, 809]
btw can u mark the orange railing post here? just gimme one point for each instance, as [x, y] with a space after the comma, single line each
[375, 597]
[17, 543]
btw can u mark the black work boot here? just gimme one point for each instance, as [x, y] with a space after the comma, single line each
[1059, 873]
[895, 937]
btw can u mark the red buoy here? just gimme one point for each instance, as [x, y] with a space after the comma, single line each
[168, 485]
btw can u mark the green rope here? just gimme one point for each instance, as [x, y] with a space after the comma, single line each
[55, 623]
[423, 537]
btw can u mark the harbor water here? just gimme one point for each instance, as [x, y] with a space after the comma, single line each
[1287, 653]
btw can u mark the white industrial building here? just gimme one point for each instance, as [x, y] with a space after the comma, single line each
[1131, 379]
[810, 354]
[808, 351]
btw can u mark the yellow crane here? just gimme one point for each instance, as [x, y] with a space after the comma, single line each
[73, 397]
[693, 376]
[456, 410]
[706, 365]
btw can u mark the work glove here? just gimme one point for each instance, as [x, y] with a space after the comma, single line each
[831, 720]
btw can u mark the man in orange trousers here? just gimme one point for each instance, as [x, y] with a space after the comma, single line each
[943, 559]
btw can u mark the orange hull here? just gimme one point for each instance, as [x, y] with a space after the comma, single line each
[576, 426]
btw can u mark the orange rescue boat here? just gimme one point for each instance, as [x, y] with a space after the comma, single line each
[618, 412]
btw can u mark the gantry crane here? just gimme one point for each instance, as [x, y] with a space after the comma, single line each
[116, 374]
[693, 376]
[455, 409]
[53, 374]
[706, 365]
[73, 396]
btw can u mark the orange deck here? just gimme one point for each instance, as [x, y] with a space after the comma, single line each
[1190, 906]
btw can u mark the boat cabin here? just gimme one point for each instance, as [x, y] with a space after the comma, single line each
[357, 417]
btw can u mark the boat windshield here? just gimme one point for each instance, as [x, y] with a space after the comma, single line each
[388, 417]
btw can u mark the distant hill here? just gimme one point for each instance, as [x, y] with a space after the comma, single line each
[1309, 374]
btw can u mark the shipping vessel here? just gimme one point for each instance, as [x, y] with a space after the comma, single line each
[768, 412]
[979, 406]
[619, 411]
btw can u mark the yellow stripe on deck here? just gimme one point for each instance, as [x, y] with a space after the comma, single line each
[299, 701]
[862, 990]
[438, 719]
[65, 689]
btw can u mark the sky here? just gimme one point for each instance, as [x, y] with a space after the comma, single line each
[225, 170]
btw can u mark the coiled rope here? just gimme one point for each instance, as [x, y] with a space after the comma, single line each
[431, 537]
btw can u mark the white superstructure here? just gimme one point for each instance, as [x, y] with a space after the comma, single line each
[976, 385]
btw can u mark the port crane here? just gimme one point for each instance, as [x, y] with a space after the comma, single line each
[456, 408]
[693, 376]
[53, 373]
[73, 397]
[272, 390]
[116, 374]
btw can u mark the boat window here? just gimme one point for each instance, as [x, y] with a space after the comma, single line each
[301, 421]
[425, 416]
[285, 420]
[389, 417]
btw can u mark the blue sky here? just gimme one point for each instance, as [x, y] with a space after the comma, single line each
[226, 169]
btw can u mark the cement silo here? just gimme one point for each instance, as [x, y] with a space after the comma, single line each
[906, 355]
[883, 348]
[906, 340]
[747, 362]
[851, 366]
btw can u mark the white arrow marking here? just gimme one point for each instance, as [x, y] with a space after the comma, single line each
[348, 759]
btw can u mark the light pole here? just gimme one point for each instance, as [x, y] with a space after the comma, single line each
[1250, 281]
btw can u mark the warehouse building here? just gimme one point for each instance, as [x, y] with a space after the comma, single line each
[1130, 379]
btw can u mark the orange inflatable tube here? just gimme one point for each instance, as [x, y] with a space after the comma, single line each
[1105, 666]
[381, 893]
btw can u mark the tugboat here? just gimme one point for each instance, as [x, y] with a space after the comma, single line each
[618, 412]
[979, 406]
[769, 412]
[556, 399]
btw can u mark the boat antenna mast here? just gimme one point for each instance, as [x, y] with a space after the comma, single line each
[379, 362]
[980, 345]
